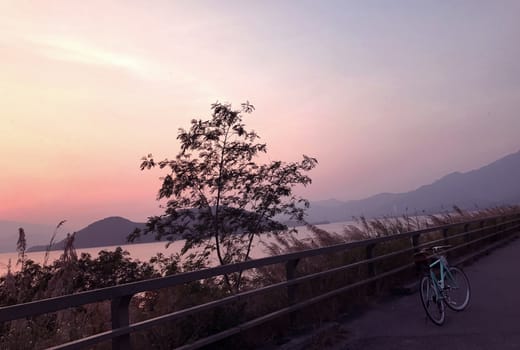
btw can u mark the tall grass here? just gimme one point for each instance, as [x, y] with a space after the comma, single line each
[72, 273]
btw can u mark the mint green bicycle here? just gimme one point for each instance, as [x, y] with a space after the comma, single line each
[441, 285]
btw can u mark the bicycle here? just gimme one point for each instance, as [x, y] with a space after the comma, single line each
[441, 285]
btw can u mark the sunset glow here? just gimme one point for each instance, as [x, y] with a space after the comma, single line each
[387, 96]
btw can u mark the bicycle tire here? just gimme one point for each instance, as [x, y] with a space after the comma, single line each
[432, 301]
[457, 290]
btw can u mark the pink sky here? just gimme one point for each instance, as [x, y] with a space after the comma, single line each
[387, 95]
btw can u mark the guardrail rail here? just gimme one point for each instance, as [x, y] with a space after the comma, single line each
[468, 239]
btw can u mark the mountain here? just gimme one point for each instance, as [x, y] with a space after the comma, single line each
[492, 185]
[495, 184]
[106, 232]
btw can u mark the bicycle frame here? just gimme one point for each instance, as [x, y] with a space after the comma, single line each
[444, 272]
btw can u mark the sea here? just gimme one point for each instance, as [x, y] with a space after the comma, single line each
[144, 251]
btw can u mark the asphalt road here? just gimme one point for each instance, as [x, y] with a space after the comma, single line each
[491, 321]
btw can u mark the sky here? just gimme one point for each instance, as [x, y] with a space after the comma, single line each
[387, 95]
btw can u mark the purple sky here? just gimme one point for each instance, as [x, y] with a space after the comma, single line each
[387, 95]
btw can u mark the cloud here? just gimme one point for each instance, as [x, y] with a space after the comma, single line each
[76, 51]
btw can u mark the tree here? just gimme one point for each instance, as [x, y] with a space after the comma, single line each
[218, 196]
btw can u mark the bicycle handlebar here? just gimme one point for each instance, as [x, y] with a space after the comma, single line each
[434, 249]
[439, 247]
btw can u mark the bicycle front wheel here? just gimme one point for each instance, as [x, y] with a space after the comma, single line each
[457, 289]
[431, 301]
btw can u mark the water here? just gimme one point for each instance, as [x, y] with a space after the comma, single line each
[145, 251]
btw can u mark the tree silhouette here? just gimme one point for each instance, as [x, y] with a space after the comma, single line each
[218, 196]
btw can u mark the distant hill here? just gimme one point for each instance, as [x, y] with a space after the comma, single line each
[109, 231]
[106, 232]
[495, 184]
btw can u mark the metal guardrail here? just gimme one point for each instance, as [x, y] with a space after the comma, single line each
[488, 232]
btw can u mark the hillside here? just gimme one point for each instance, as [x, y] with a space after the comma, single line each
[109, 231]
[492, 185]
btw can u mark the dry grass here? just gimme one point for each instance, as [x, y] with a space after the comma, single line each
[71, 274]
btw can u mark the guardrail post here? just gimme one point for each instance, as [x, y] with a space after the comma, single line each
[499, 230]
[290, 273]
[119, 308]
[467, 237]
[481, 227]
[445, 236]
[371, 267]
[369, 255]
[415, 243]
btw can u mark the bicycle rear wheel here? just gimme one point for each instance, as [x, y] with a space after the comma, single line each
[432, 301]
[457, 289]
